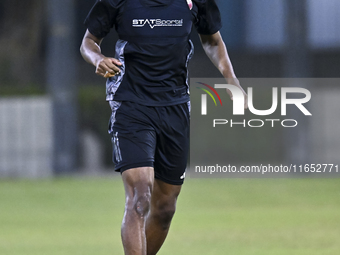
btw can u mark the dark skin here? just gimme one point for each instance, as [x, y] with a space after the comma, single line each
[150, 203]
[91, 52]
[149, 207]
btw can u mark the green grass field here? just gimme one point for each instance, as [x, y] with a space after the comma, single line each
[215, 216]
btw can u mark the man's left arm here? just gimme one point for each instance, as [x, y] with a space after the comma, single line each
[216, 50]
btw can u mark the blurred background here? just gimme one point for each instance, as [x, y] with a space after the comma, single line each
[53, 114]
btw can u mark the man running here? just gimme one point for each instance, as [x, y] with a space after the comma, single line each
[147, 89]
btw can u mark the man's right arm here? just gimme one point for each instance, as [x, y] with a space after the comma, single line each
[91, 52]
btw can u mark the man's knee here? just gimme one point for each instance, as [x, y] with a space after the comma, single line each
[164, 213]
[141, 204]
[138, 184]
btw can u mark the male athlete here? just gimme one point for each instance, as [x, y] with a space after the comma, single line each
[147, 88]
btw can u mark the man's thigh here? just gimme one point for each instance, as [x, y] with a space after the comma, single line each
[172, 145]
[133, 136]
[144, 136]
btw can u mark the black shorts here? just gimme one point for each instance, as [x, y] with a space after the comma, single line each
[151, 136]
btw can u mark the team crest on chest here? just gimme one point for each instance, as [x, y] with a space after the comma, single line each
[189, 4]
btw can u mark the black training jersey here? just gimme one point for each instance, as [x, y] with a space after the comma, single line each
[153, 45]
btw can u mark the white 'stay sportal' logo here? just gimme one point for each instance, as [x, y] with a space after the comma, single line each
[157, 22]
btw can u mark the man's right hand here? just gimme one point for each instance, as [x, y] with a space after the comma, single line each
[91, 52]
[108, 67]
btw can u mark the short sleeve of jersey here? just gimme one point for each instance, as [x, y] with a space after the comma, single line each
[102, 16]
[208, 20]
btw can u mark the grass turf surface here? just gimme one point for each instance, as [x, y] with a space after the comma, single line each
[215, 216]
